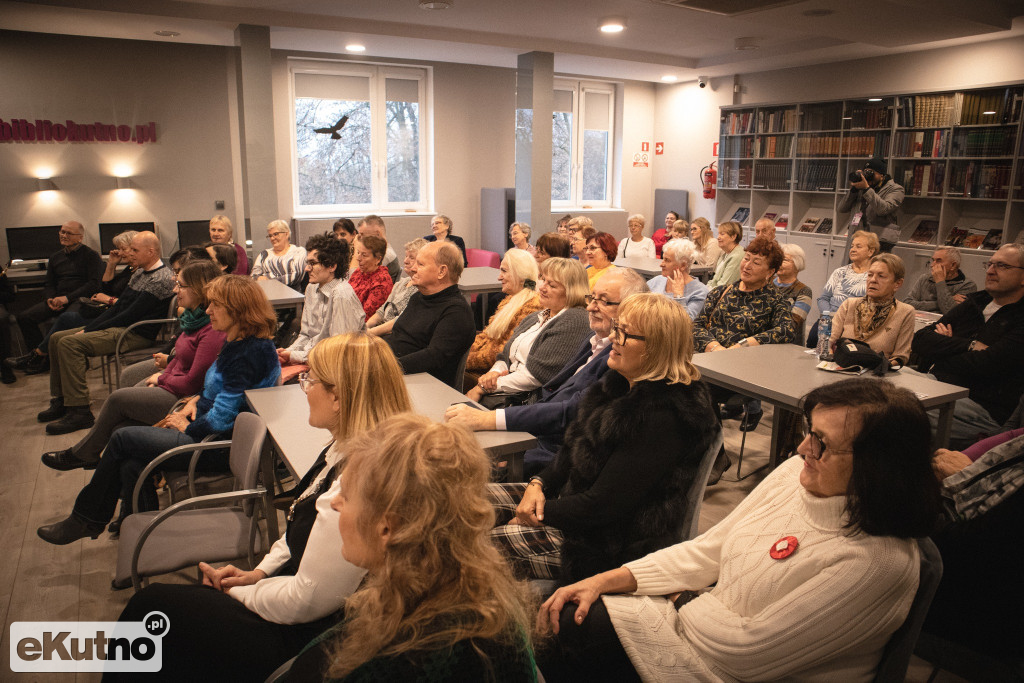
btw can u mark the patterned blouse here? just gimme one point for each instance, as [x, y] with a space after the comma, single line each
[730, 315]
[372, 289]
[842, 284]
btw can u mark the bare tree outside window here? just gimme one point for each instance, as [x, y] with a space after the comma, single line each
[403, 153]
[333, 171]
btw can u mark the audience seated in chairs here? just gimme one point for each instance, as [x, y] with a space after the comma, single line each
[552, 245]
[887, 325]
[436, 329]
[195, 350]
[618, 486]
[727, 267]
[283, 261]
[381, 322]
[708, 250]
[374, 225]
[222, 232]
[441, 230]
[550, 416]
[519, 233]
[824, 545]
[438, 602]
[345, 229]
[224, 255]
[601, 252]
[635, 245]
[237, 307]
[578, 242]
[944, 285]
[147, 297]
[265, 616]
[978, 345]
[331, 307]
[518, 275]
[545, 340]
[787, 281]
[370, 280]
[675, 280]
[849, 280]
[662, 235]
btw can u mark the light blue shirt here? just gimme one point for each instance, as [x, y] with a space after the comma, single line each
[694, 293]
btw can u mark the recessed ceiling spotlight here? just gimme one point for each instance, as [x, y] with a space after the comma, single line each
[874, 99]
[670, 79]
[166, 34]
[613, 24]
[355, 47]
[436, 4]
[818, 12]
[747, 43]
[988, 113]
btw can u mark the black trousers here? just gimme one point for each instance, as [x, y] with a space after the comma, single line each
[590, 651]
[29, 321]
[213, 637]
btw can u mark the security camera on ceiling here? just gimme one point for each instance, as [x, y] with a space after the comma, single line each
[702, 81]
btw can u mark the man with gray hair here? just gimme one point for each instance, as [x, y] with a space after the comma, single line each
[944, 286]
[374, 225]
[147, 297]
[550, 416]
[764, 227]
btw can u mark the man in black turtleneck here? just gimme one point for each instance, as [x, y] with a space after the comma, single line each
[436, 329]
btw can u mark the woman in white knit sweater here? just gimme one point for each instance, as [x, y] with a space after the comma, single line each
[813, 571]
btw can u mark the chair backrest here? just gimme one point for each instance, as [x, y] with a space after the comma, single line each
[246, 444]
[460, 372]
[896, 656]
[695, 496]
[481, 258]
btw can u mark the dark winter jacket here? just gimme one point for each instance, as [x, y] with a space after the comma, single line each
[618, 487]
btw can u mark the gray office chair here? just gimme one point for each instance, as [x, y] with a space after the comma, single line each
[456, 382]
[896, 656]
[200, 529]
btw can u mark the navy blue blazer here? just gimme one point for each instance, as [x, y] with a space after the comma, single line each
[551, 415]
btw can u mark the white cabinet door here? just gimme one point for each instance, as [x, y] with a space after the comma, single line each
[973, 266]
[917, 261]
[817, 253]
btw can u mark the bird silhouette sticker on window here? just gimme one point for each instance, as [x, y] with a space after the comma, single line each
[333, 130]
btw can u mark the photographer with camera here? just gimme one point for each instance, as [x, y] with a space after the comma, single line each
[875, 197]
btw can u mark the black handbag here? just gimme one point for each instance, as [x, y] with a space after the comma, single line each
[854, 354]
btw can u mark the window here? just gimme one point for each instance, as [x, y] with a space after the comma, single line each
[361, 135]
[581, 155]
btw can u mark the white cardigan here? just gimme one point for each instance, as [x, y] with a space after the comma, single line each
[324, 579]
[824, 613]
[642, 249]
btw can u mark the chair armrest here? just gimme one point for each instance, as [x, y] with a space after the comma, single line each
[194, 461]
[211, 500]
[120, 337]
[166, 455]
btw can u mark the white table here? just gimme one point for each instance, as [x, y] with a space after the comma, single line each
[286, 413]
[479, 280]
[282, 296]
[782, 374]
[924, 319]
[651, 267]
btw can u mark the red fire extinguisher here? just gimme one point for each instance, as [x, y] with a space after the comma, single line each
[709, 176]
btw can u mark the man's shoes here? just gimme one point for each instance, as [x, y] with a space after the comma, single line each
[54, 412]
[750, 424]
[65, 460]
[77, 417]
[722, 463]
[7, 375]
[21, 362]
[38, 365]
[69, 531]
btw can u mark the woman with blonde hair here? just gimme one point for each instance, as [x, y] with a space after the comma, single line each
[438, 601]
[847, 281]
[708, 250]
[518, 276]
[727, 268]
[265, 616]
[284, 261]
[237, 307]
[221, 232]
[545, 340]
[618, 487]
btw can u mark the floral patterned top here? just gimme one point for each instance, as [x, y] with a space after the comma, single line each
[731, 315]
[372, 289]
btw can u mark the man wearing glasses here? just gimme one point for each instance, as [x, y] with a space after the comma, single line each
[72, 272]
[978, 344]
[550, 416]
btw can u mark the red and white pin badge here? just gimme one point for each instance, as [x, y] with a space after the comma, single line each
[784, 547]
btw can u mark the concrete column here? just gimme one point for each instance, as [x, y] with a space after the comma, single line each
[256, 129]
[535, 91]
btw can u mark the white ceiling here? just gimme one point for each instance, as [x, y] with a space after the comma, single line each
[660, 39]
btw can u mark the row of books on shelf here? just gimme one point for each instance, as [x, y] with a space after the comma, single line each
[777, 120]
[921, 143]
[738, 123]
[821, 226]
[772, 176]
[867, 117]
[737, 147]
[822, 117]
[922, 111]
[924, 180]
[984, 142]
[865, 145]
[1005, 103]
[964, 109]
[980, 180]
[816, 176]
[735, 177]
[774, 146]
[818, 146]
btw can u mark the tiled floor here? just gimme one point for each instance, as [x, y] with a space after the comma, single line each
[39, 581]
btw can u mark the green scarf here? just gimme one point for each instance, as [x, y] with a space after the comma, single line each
[191, 319]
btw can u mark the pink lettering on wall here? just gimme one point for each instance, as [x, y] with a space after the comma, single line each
[23, 130]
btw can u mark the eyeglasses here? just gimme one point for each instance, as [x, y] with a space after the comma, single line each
[306, 382]
[275, 234]
[590, 298]
[1001, 266]
[818, 446]
[312, 262]
[592, 247]
[619, 335]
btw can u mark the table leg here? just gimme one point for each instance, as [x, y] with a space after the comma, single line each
[945, 425]
[773, 449]
[483, 296]
[267, 473]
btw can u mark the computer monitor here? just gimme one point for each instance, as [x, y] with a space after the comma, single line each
[34, 243]
[109, 230]
[191, 233]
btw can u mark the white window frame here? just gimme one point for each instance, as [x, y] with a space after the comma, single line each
[378, 73]
[578, 88]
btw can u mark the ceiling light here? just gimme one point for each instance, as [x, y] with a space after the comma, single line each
[874, 99]
[670, 79]
[166, 34]
[435, 4]
[818, 12]
[748, 43]
[613, 24]
[355, 47]
[988, 113]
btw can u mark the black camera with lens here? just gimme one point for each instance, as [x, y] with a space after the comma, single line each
[867, 174]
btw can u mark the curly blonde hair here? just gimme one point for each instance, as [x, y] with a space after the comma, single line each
[440, 580]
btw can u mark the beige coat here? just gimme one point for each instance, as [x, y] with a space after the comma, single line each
[893, 338]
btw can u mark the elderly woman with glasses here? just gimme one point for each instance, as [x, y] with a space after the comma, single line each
[284, 261]
[618, 487]
[806, 579]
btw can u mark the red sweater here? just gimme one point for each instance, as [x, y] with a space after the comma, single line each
[372, 289]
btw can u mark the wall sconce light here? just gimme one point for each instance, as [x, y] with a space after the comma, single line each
[45, 184]
[124, 183]
[612, 25]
